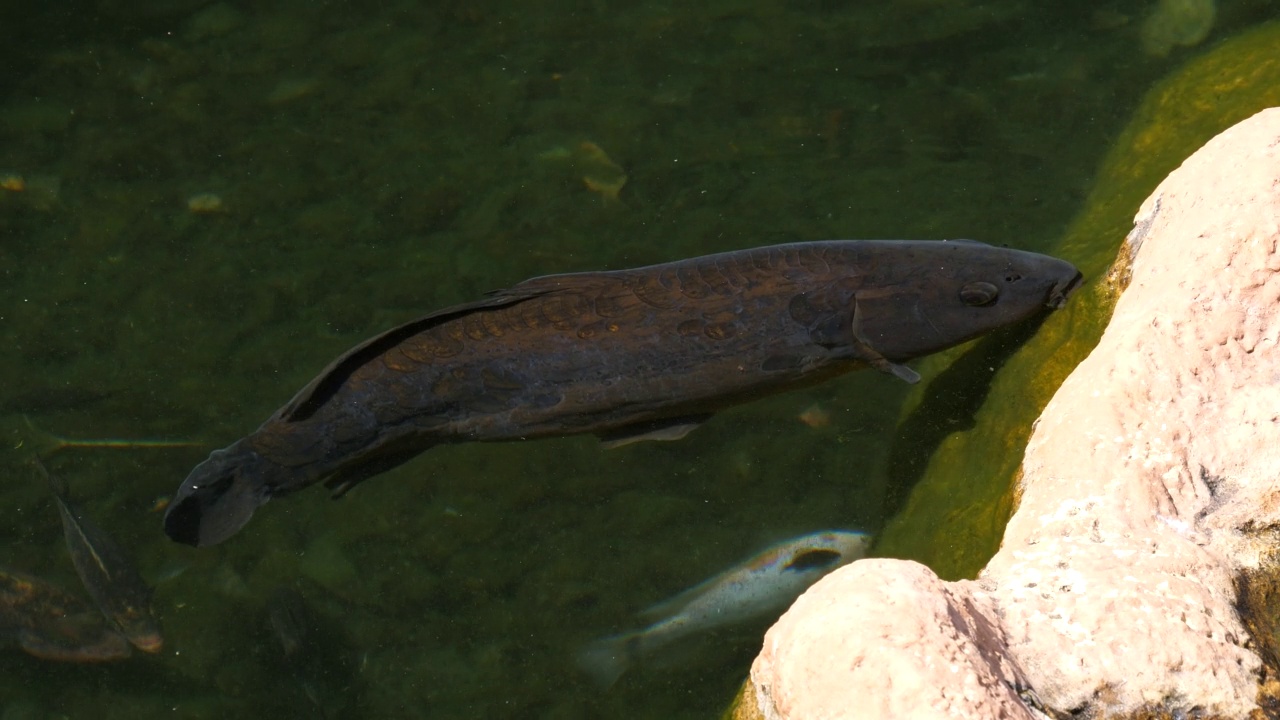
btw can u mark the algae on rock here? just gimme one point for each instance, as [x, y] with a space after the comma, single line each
[954, 512]
[954, 515]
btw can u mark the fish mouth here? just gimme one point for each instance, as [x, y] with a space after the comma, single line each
[1059, 293]
[203, 515]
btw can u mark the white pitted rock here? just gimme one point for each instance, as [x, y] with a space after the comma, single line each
[886, 639]
[1143, 485]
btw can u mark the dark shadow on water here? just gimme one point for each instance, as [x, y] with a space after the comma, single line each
[950, 402]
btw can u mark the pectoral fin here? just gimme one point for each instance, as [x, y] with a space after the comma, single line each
[902, 372]
[666, 430]
[863, 351]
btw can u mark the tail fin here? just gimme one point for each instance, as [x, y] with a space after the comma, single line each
[606, 659]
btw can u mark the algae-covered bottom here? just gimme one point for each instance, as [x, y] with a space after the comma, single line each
[201, 204]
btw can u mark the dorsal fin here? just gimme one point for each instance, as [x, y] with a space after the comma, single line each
[544, 284]
[317, 392]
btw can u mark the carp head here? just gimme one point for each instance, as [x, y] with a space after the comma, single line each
[920, 297]
[218, 497]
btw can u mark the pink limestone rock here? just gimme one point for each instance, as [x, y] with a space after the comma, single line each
[1148, 487]
[887, 639]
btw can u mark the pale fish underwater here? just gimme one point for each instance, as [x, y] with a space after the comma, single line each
[766, 583]
[106, 571]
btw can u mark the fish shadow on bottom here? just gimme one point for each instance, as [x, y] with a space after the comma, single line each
[320, 660]
[950, 404]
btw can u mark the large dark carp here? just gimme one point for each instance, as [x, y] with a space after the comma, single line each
[629, 355]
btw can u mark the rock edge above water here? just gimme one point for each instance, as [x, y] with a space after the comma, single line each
[1151, 485]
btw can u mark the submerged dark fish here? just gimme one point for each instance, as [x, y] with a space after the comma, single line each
[52, 624]
[113, 583]
[316, 657]
[642, 354]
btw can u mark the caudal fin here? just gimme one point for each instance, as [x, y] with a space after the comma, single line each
[606, 659]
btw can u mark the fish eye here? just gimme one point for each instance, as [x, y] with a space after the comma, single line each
[978, 293]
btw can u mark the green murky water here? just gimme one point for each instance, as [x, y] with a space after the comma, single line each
[207, 202]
